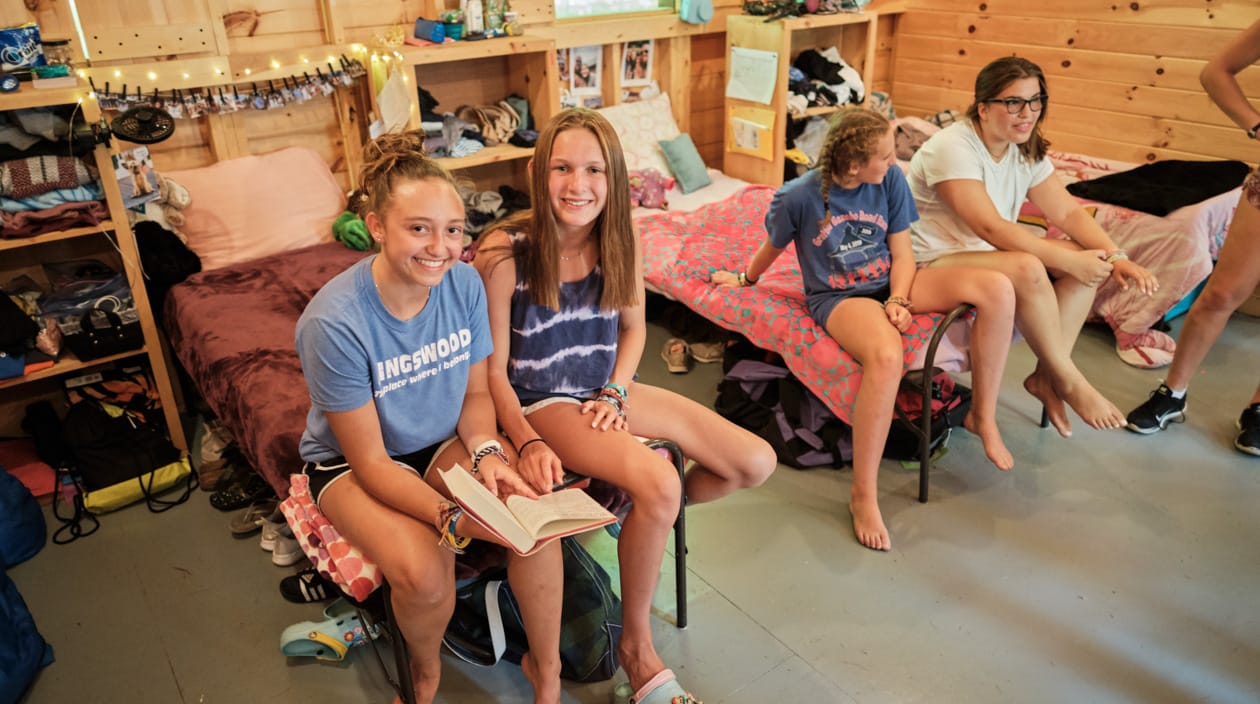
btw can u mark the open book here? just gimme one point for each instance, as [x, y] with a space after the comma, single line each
[526, 524]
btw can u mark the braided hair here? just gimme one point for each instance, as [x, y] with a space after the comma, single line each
[851, 141]
[389, 159]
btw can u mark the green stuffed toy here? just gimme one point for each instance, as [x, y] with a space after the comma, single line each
[350, 230]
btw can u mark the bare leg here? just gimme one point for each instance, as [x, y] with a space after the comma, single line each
[942, 290]
[1038, 318]
[421, 574]
[538, 583]
[652, 483]
[1234, 278]
[860, 326]
[725, 456]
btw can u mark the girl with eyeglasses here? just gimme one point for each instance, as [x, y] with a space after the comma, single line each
[969, 182]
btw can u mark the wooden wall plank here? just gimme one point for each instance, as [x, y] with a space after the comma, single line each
[1234, 14]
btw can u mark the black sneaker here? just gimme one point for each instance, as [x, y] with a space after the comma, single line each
[1158, 411]
[1248, 439]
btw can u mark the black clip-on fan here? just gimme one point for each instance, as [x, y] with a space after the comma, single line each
[143, 124]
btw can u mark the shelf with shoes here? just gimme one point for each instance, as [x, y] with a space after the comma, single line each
[111, 241]
[483, 73]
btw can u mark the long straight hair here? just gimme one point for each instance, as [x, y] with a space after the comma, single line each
[613, 229]
[994, 78]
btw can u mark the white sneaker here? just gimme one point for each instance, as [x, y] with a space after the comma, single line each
[271, 528]
[286, 550]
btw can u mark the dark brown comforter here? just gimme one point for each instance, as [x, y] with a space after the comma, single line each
[233, 331]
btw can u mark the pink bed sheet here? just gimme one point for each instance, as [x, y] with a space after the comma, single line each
[682, 249]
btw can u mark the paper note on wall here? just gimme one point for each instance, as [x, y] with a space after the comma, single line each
[753, 74]
[750, 130]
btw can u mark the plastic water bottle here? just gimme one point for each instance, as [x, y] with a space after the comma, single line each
[475, 19]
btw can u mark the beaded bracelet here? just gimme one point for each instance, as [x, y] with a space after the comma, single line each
[490, 447]
[903, 302]
[612, 400]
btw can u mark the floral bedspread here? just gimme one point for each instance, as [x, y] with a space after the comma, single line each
[682, 249]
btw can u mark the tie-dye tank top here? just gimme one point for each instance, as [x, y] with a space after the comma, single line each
[565, 353]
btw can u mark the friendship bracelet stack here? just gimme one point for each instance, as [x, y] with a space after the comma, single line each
[484, 450]
[448, 514]
[616, 396]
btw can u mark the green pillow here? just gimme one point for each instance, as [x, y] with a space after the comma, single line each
[685, 162]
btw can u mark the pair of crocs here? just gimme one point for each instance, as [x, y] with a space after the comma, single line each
[330, 639]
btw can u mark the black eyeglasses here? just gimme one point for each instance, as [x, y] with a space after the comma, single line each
[1015, 106]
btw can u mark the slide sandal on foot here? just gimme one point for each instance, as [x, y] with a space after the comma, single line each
[663, 689]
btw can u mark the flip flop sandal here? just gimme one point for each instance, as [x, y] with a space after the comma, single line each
[307, 586]
[677, 355]
[329, 639]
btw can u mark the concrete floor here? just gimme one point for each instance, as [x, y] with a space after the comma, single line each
[1105, 568]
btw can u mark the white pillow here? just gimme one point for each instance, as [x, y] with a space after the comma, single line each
[255, 206]
[642, 126]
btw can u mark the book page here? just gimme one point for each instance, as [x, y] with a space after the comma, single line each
[558, 513]
[486, 508]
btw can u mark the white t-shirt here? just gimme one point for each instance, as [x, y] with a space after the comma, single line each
[957, 152]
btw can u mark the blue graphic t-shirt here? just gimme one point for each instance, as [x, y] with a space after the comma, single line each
[850, 253]
[354, 351]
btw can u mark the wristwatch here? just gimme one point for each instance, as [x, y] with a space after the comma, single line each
[1251, 133]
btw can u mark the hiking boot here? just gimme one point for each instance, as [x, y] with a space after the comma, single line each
[1158, 411]
[1248, 439]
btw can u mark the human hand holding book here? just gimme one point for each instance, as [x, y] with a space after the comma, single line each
[524, 524]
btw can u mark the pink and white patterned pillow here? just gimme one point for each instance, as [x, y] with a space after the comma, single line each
[641, 126]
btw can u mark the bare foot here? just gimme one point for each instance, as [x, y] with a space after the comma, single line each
[546, 689]
[1092, 406]
[868, 524]
[1043, 391]
[994, 448]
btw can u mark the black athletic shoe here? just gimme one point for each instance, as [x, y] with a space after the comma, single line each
[1158, 411]
[1248, 439]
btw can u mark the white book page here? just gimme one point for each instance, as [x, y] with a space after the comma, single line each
[557, 512]
[486, 508]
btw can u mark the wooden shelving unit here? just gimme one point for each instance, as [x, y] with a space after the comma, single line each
[113, 239]
[854, 33]
[483, 73]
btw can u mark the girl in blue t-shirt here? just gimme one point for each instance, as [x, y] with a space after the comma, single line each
[849, 219]
[564, 283]
[394, 353]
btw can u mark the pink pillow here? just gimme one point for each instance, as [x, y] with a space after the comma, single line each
[255, 206]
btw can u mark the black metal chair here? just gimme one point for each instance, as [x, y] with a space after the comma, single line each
[382, 616]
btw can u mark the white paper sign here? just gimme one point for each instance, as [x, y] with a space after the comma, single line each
[753, 74]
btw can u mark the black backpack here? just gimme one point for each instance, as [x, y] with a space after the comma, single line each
[760, 394]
